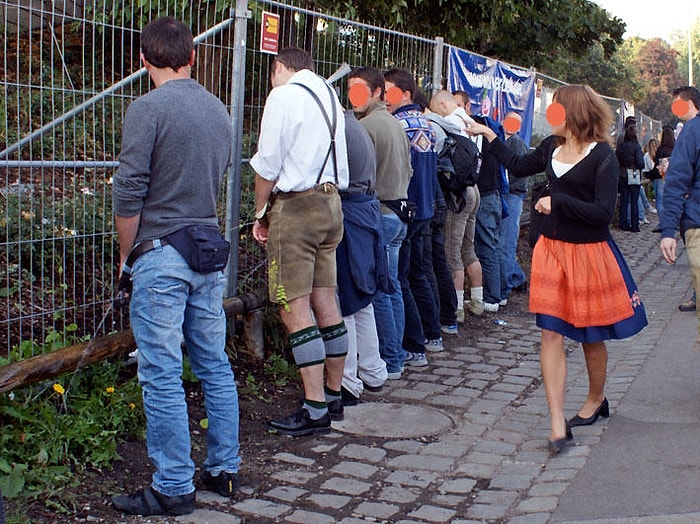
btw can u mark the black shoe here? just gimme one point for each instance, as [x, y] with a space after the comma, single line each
[301, 423]
[348, 398]
[688, 305]
[656, 230]
[602, 411]
[225, 483]
[335, 409]
[372, 389]
[148, 501]
[555, 446]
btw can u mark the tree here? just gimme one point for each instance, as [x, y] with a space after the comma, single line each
[679, 42]
[614, 76]
[523, 32]
[657, 65]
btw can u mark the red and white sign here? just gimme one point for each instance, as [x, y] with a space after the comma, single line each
[270, 33]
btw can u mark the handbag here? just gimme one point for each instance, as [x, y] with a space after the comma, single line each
[203, 247]
[405, 209]
[634, 177]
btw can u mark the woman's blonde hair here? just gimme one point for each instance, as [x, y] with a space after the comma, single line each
[588, 116]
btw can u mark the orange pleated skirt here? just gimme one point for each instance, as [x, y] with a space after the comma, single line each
[581, 284]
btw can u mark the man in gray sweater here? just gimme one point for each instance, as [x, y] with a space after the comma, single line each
[176, 145]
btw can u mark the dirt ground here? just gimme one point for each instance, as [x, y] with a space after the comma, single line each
[90, 499]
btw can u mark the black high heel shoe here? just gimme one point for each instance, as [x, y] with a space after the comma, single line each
[602, 411]
[555, 446]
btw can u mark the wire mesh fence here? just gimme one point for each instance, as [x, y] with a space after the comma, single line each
[68, 72]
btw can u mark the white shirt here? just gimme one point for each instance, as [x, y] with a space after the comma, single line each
[294, 136]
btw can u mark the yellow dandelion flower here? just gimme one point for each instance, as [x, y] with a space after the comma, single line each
[110, 390]
[132, 405]
[58, 388]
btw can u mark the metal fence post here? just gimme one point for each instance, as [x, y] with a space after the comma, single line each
[233, 187]
[437, 64]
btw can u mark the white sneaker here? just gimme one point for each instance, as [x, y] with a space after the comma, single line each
[393, 376]
[653, 210]
[415, 359]
[503, 302]
[435, 345]
[491, 308]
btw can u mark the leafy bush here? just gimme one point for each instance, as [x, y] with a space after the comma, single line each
[55, 430]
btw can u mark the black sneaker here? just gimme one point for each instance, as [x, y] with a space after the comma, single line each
[148, 501]
[225, 483]
[301, 423]
[335, 409]
[348, 398]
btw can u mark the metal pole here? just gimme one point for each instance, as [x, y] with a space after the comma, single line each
[233, 185]
[437, 63]
[690, 43]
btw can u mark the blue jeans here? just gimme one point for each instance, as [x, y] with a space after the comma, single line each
[388, 308]
[659, 195]
[510, 231]
[170, 300]
[414, 283]
[629, 207]
[487, 241]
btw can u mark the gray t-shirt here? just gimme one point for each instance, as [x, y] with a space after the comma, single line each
[176, 145]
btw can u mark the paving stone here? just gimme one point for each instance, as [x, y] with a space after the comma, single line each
[294, 477]
[262, 507]
[355, 469]
[421, 479]
[308, 517]
[399, 494]
[377, 510]
[487, 511]
[294, 459]
[348, 486]
[458, 485]
[364, 453]
[325, 500]
[496, 497]
[285, 493]
[433, 513]
[421, 462]
[206, 515]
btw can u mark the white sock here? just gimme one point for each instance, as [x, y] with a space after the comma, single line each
[477, 294]
[460, 299]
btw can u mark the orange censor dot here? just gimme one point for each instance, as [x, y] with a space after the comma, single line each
[511, 125]
[358, 94]
[680, 107]
[556, 114]
[394, 95]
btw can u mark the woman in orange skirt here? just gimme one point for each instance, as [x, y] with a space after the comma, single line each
[580, 285]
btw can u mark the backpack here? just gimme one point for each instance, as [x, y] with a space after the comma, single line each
[459, 163]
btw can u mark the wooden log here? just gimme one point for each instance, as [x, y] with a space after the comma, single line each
[43, 367]
[253, 333]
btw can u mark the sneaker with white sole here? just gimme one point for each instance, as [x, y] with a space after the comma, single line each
[417, 360]
[491, 308]
[434, 345]
[391, 375]
[450, 330]
[503, 302]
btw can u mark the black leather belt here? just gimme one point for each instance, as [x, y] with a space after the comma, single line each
[142, 248]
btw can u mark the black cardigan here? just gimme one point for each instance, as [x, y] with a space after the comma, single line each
[583, 200]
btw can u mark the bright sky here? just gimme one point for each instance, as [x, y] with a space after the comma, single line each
[653, 18]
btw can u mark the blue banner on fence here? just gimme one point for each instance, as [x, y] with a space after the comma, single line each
[493, 87]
